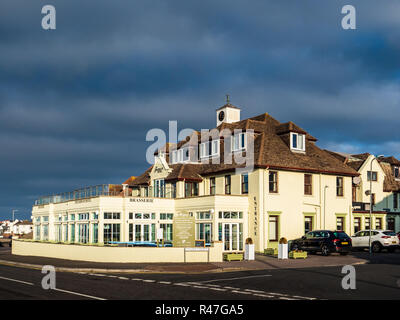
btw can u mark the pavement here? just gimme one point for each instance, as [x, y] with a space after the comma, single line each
[261, 263]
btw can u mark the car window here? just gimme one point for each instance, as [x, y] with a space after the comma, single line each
[389, 233]
[310, 235]
[374, 233]
[341, 235]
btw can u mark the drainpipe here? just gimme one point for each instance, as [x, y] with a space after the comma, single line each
[326, 187]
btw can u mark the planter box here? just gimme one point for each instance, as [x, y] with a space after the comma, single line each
[233, 256]
[271, 252]
[297, 254]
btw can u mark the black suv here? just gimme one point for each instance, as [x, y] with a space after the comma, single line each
[323, 241]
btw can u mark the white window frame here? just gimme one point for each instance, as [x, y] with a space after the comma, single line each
[237, 139]
[300, 140]
[204, 148]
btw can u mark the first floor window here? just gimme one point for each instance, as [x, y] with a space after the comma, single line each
[212, 186]
[273, 182]
[273, 228]
[308, 184]
[191, 189]
[112, 232]
[228, 184]
[339, 186]
[245, 183]
[308, 224]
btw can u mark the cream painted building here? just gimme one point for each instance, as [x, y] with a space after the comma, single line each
[285, 187]
[381, 173]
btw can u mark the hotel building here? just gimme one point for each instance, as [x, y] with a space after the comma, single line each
[291, 187]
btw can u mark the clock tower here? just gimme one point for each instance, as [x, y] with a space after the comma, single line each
[228, 113]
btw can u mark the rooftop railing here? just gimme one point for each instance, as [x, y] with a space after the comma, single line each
[84, 193]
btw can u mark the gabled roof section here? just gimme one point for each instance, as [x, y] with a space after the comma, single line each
[389, 184]
[392, 160]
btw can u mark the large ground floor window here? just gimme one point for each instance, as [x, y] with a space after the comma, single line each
[231, 234]
[112, 232]
[66, 233]
[83, 232]
[204, 232]
[143, 232]
[95, 233]
[46, 232]
[167, 232]
[72, 233]
[37, 232]
[58, 232]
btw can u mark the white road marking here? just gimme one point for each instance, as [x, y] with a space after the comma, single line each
[123, 278]
[79, 294]
[164, 282]
[241, 292]
[149, 280]
[239, 278]
[24, 282]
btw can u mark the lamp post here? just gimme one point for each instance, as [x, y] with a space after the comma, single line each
[13, 211]
[370, 201]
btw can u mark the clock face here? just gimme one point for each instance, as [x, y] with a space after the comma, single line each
[221, 116]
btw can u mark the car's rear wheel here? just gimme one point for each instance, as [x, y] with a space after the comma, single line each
[376, 247]
[325, 250]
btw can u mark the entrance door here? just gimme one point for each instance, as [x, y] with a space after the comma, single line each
[231, 236]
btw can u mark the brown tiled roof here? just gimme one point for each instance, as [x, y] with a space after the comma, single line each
[337, 155]
[271, 149]
[130, 180]
[392, 160]
[361, 156]
[143, 179]
[389, 184]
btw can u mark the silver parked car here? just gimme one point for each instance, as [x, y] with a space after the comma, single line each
[380, 239]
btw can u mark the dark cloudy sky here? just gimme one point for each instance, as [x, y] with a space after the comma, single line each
[76, 102]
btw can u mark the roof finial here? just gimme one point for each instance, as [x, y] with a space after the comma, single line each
[227, 99]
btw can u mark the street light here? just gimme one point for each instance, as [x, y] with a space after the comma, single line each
[14, 210]
[370, 201]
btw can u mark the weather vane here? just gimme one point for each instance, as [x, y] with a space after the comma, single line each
[227, 99]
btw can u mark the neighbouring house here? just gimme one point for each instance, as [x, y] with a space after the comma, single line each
[20, 227]
[290, 187]
[385, 180]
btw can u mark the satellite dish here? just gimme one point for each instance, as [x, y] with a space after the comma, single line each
[356, 180]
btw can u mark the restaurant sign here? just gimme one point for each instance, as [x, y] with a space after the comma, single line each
[184, 230]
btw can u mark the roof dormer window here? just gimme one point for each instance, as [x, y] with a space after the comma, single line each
[209, 149]
[297, 141]
[181, 155]
[396, 172]
[239, 142]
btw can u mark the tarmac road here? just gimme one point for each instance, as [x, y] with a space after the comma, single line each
[373, 281]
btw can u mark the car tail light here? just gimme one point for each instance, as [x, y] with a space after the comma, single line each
[386, 237]
[336, 240]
